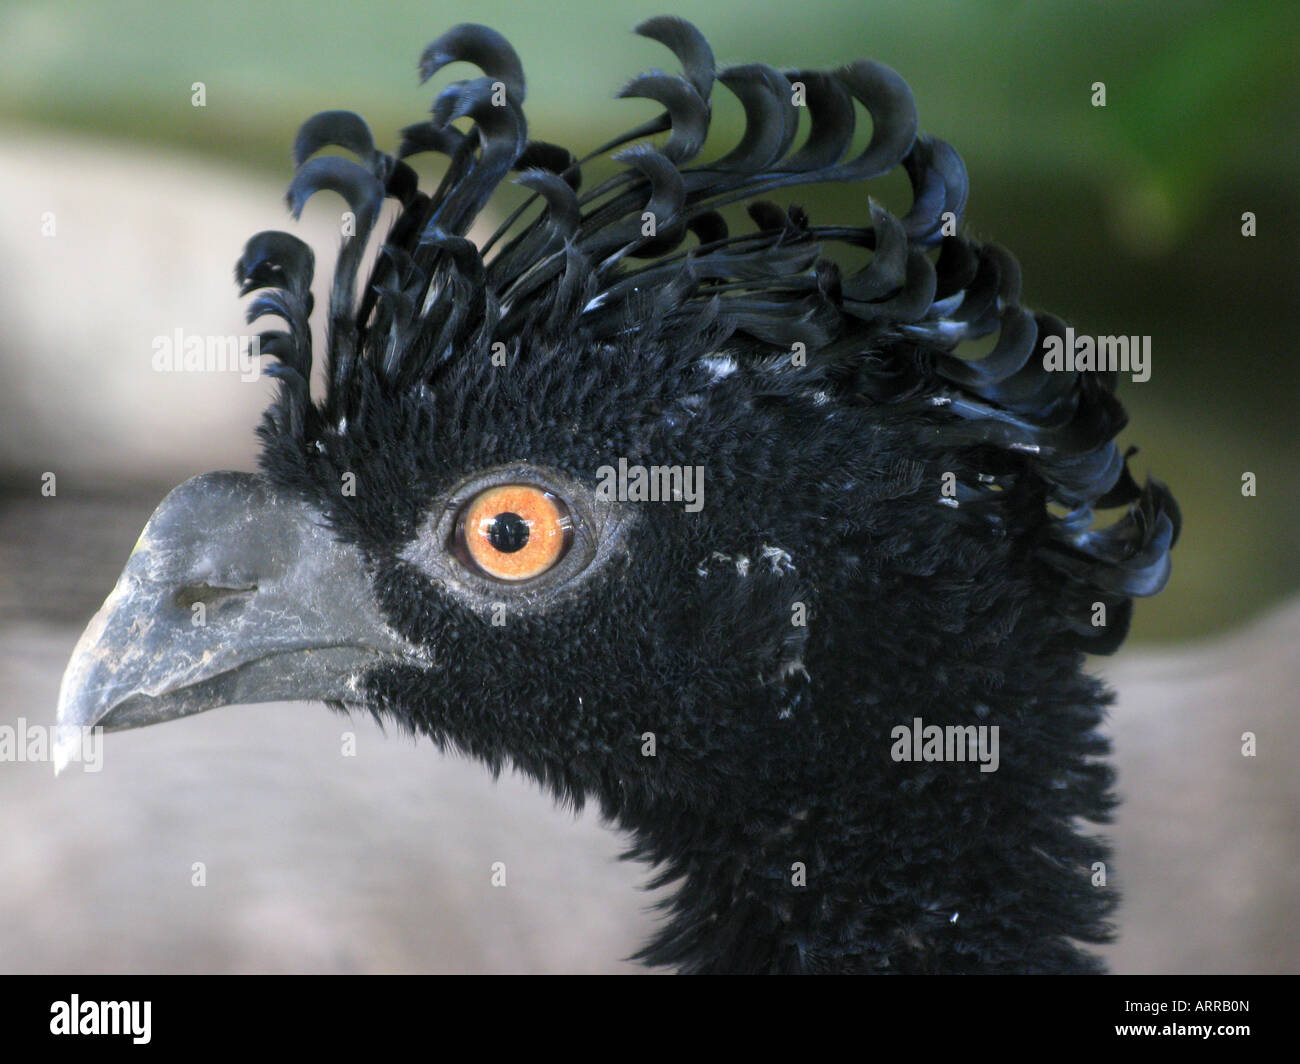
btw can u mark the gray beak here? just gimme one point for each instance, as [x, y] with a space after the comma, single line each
[235, 593]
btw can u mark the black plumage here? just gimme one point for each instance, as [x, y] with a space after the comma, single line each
[890, 529]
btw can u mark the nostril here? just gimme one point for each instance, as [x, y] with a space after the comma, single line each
[210, 594]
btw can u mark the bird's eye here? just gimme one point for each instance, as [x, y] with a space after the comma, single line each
[512, 532]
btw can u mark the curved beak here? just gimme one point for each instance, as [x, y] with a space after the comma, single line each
[234, 593]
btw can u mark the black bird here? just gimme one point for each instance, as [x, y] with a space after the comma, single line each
[686, 513]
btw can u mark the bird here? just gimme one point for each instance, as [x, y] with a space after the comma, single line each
[687, 505]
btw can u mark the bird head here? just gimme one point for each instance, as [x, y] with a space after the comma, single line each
[678, 501]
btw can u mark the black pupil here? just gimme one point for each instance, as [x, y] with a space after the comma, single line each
[508, 532]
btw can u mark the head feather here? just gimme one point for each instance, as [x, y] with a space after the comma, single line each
[648, 252]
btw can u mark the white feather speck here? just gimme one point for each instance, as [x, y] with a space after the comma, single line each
[719, 366]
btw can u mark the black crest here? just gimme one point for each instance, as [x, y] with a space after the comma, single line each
[648, 250]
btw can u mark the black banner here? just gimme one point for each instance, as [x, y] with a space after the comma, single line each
[210, 1013]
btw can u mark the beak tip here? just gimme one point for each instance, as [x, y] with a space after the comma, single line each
[62, 754]
[67, 734]
[79, 710]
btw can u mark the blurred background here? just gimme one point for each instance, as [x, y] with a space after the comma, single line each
[124, 207]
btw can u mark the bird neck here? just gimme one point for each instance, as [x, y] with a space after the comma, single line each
[894, 854]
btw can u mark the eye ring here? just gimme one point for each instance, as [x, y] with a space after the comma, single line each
[512, 533]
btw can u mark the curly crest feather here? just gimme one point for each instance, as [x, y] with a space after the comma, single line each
[648, 253]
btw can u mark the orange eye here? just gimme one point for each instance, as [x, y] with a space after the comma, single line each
[514, 532]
